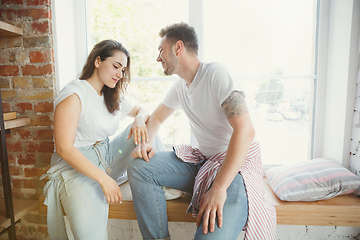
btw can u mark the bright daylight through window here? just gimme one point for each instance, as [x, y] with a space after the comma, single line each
[270, 45]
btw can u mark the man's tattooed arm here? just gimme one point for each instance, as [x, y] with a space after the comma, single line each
[235, 104]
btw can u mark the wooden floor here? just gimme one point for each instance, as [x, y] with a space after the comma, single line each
[338, 211]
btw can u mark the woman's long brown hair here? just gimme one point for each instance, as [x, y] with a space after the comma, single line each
[105, 49]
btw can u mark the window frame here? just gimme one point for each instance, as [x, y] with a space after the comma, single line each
[337, 69]
[327, 23]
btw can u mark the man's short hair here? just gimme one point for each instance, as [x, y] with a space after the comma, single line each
[181, 31]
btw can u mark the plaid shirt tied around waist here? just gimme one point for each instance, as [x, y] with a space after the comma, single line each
[261, 223]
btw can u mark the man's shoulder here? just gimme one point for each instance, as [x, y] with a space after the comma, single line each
[215, 65]
[216, 68]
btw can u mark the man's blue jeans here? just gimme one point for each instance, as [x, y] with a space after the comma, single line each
[165, 169]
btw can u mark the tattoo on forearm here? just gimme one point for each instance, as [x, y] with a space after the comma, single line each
[235, 104]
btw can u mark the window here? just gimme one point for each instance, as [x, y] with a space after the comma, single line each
[269, 44]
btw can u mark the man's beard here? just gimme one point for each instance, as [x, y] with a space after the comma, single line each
[170, 66]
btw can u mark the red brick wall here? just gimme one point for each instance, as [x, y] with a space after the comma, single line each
[27, 84]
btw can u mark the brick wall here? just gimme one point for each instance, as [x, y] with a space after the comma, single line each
[27, 84]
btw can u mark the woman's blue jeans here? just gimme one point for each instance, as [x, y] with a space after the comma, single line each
[165, 169]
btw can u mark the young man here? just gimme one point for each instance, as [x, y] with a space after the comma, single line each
[224, 172]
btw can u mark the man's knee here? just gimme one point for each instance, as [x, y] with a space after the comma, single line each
[135, 167]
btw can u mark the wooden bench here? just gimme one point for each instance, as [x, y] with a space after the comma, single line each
[338, 211]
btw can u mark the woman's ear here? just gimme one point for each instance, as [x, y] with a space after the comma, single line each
[97, 61]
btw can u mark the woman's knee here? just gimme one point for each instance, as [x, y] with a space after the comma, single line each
[87, 211]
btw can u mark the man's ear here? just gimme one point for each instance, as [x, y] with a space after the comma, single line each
[179, 47]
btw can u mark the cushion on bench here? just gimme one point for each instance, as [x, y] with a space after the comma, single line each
[313, 180]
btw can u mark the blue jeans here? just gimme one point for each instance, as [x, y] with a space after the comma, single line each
[165, 169]
[81, 197]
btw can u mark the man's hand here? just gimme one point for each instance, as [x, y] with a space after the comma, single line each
[144, 150]
[211, 206]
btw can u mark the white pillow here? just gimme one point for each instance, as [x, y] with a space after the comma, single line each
[312, 180]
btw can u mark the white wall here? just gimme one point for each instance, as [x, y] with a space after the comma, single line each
[355, 139]
[342, 66]
[129, 230]
[70, 45]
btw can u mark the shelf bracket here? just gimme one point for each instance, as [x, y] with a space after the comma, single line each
[6, 178]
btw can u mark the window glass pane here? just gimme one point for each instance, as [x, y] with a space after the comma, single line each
[281, 115]
[261, 37]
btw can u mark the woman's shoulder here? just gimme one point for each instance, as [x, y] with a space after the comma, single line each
[75, 86]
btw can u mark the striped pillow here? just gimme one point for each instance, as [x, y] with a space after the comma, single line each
[312, 180]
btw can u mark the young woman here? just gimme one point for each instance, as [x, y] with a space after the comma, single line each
[86, 162]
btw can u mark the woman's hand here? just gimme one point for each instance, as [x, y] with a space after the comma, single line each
[138, 130]
[110, 189]
[211, 206]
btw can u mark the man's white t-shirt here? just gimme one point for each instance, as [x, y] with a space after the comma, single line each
[201, 102]
[96, 123]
